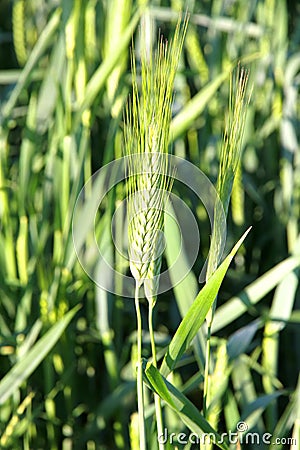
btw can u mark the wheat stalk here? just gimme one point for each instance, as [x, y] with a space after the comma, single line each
[146, 135]
[229, 161]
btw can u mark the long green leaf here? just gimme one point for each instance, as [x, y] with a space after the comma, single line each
[195, 106]
[196, 314]
[245, 391]
[192, 110]
[185, 291]
[39, 49]
[187, 412]
[254, 410]
[239, 341]
[102, 73]
[253, 293]
[26, 366]
[290, 417]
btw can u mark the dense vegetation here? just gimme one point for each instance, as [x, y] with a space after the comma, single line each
[67, 346]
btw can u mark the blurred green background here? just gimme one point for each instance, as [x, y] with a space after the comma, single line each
[64, 81]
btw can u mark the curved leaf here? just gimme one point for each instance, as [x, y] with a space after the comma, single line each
[187, 412]
[196, 314]
[26, 366]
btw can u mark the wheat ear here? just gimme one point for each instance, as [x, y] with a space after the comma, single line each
[146, 132]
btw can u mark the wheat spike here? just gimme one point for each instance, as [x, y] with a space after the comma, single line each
[229, 157]
[146, 133]
[232, 143]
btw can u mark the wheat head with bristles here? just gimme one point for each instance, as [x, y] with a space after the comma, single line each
[149, 178]
[229, 156]
[233, 136]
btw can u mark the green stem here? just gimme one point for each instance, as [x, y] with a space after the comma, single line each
[212, 265]
[157, 400]
[206, 371]
[206, 388]
[140, 394]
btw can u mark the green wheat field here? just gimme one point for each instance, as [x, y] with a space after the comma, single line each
[87, 361]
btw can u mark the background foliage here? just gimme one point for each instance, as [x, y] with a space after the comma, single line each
[68, 375]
